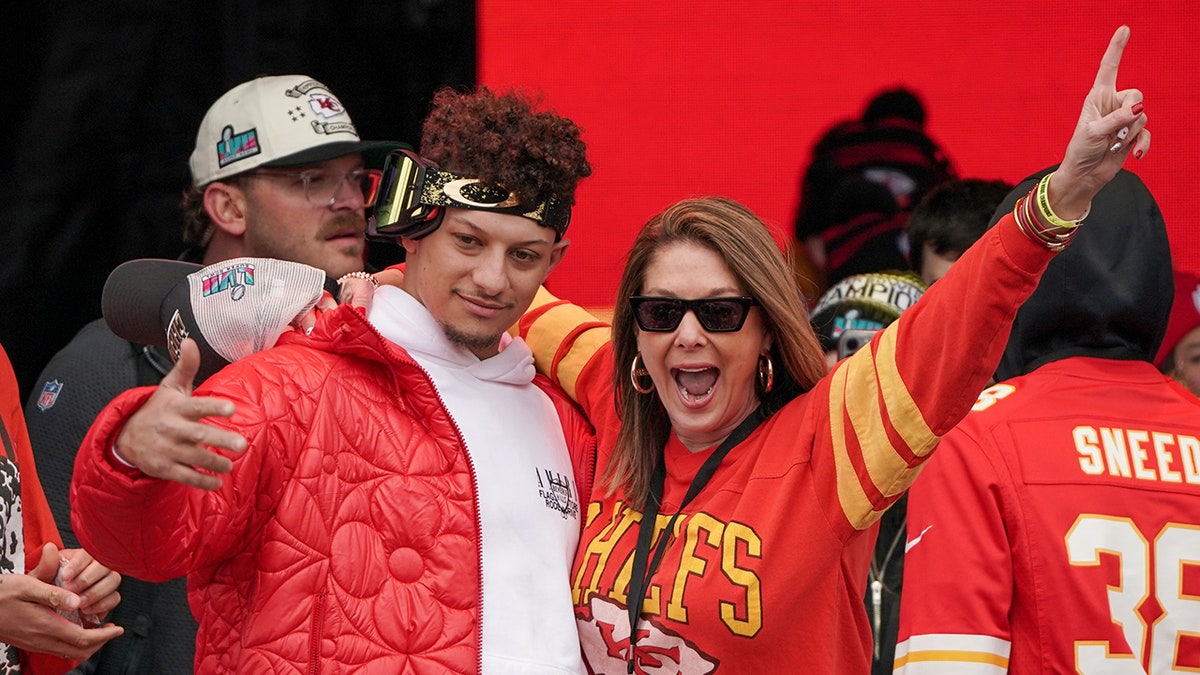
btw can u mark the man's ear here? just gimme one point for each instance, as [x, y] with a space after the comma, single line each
[226, 207]
[409, 245]
[557, 253]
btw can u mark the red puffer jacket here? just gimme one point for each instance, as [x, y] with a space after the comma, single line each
[345, 539]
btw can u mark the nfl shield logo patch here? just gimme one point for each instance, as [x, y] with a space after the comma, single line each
[49, 395]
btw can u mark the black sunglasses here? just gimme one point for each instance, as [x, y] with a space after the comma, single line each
[717, 315]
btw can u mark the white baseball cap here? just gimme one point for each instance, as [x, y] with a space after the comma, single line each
[275, 120]
[232, 308]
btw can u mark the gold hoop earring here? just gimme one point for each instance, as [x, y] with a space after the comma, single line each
[639, 371]
[766, 373]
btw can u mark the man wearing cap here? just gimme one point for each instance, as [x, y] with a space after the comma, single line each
[944, 223]
[395, 491]
[278, 171]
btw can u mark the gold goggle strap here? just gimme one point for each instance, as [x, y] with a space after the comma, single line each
[443, 188]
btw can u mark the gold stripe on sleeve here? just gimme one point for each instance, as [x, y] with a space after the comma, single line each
[546, 336]
[906, 416]
[855, 505]
[854, 391]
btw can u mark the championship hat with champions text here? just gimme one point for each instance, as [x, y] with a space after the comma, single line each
[864, 302]
[277, 121]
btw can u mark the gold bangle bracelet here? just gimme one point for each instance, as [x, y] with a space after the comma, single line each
[1028, 225]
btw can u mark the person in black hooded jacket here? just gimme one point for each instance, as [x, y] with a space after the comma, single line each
[1059, 529]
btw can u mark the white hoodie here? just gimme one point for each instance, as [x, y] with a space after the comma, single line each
[528, 501]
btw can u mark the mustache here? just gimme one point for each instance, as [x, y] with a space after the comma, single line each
[343, 222]
[492, 299]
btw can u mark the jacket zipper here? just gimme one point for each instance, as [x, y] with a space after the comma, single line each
[409, 362]
[315, 631]
[462, 444]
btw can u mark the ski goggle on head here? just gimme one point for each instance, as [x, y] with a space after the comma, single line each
[413, 194]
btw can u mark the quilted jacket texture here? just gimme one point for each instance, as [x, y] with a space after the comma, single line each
[346, 537]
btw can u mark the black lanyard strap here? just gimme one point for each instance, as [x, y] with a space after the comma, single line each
[639, 582]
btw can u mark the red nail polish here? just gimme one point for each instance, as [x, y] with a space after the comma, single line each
[1137, 155]
[1137, 108]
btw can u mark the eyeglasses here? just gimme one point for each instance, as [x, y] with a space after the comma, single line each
[717, 315]
[322, 187]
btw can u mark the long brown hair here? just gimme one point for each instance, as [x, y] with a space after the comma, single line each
[746, 246]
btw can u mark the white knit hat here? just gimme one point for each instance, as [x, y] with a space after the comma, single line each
[277, 120]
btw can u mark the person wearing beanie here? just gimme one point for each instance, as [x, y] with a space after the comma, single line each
[863, 178]
[278, 170]
[395, 491]
[1179, 356]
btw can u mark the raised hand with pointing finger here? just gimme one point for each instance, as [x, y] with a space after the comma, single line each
[1112, 125]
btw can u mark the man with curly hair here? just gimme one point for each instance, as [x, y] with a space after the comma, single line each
[393, 492]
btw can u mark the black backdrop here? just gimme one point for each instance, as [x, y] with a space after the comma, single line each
[103, 104]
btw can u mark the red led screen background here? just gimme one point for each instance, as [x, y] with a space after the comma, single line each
[682, 99]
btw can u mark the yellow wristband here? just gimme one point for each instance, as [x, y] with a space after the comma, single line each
[1043, 203]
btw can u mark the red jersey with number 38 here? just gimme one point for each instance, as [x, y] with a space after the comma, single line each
[1059, 530]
